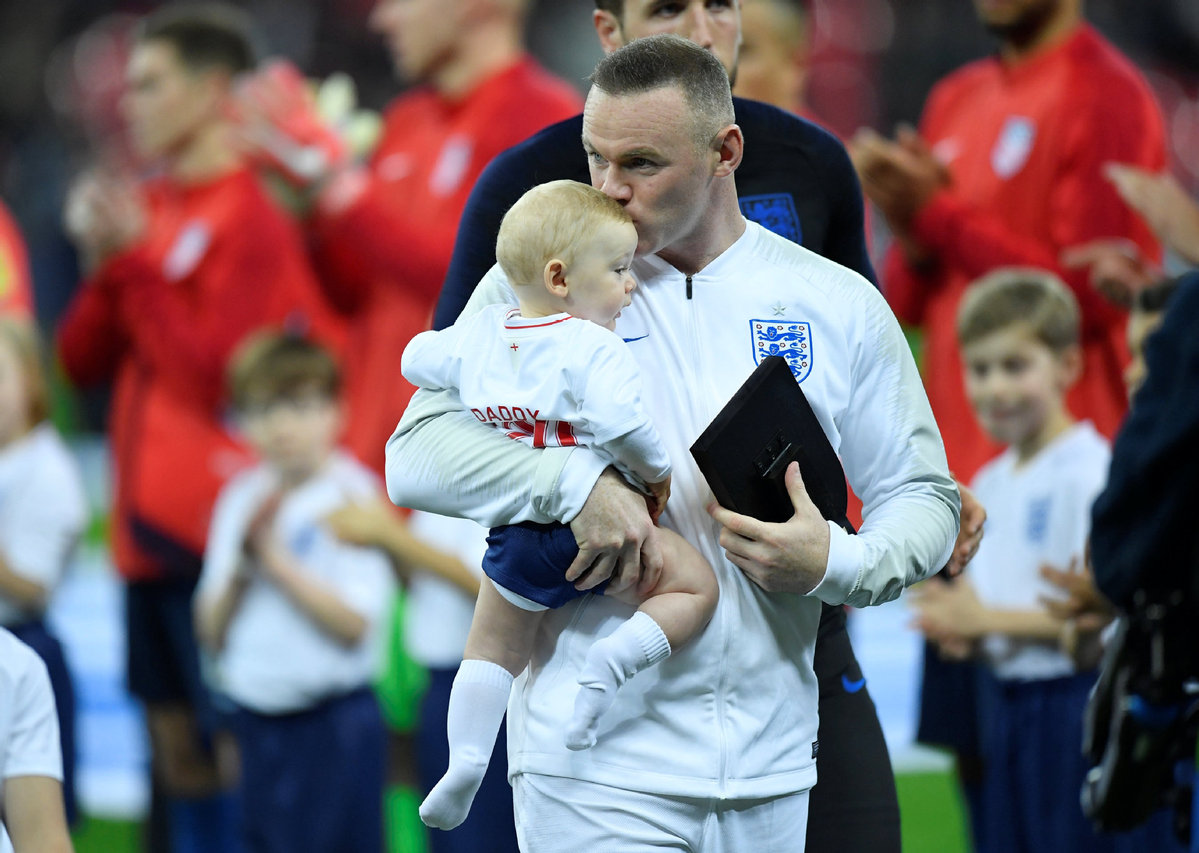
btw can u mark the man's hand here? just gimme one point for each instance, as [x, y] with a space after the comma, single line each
[1117, 268]
[970, 533]
[282, 129]
[103, 215]
[615, 537]
[1164, 205]
[791, 556]
[898, 177]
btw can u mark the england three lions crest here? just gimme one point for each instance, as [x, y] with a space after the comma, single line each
[793, 341]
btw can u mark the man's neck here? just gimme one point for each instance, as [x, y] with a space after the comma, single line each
[208, 154]
[714, 236]
[483, 52]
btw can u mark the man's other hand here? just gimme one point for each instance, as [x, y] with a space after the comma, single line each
[613, 531]
[779, 557]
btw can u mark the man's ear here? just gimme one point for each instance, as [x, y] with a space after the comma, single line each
[607, 27]
[729, 146]
[554, 276]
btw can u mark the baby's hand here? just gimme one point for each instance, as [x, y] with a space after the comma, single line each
[655, 501]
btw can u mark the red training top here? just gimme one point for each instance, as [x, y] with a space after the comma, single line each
[161, 319]
[1026, 145]
[383, 259]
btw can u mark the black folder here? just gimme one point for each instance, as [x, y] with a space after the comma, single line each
[745, 451]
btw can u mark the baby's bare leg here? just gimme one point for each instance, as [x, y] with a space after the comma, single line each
[670, 614]
[497, 649]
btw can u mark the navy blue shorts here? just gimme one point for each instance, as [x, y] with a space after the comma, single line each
[1030, 733]
[531, 560]
[163, 657]
[313, 780]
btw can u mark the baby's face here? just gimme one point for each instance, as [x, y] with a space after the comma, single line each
[600, 284]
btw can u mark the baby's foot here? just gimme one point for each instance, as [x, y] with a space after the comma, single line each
[449, 802]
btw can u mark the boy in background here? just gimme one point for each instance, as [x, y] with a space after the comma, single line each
[294, 615]
[1019, 335]
[552, 373]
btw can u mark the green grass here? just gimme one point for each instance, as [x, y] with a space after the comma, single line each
[95, 835]
[932, 813]
[929, 804]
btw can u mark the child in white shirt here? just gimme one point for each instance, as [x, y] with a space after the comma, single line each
[1019, 337]
[294, 615]
[553, 373]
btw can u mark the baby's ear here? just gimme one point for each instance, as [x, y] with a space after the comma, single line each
[554, 276]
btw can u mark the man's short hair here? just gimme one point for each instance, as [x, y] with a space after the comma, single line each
[656, 62]
[206, 36]
[616, 7]
[550, 221]
[273, 365]
[1031, 298]
[22, 335]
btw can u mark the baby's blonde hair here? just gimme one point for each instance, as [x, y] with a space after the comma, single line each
[551, 221]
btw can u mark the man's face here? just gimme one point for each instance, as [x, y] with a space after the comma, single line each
[165, 103]
[1016, 21]
[642, 151]
[714, 25]
[420, 34]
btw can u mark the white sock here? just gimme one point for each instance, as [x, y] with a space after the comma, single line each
[478, 700]
[611, 662]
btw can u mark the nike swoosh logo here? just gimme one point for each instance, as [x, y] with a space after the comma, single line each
[630, 340]
[852, 686]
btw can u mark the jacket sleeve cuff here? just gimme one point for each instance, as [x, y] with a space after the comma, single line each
[843, 574]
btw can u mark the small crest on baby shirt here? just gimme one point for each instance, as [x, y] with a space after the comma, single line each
[791, 340]
[1013, 146]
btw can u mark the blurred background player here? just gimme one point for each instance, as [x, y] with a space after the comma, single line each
[296, 617]
[31, 810]
[1007, 170]
[1019, 337]
[383, 234]
[773, 62]
[181, 267]
[43, 512]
